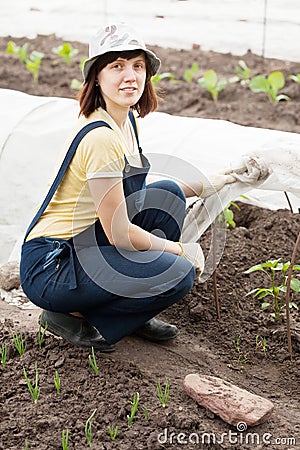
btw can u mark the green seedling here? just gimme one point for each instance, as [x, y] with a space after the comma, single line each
[65, 439]
[66, 51]
[190, 73]
[21, 52]
[134, 406]
[261, 343]
[76, 84]
[19, 343]
[295, 78]
[26, 446]
[242, 74]
[93, 362]
[210, 82]
[274, 269]
[113, 432]
[242, 358]
[229, 214]
[162, 76]
[270, 85]
[41, 335]
[34, 390]
[163, 394]
[146, 413]
[3, 353]
[56, 380]
[88, 428]
[33, 64]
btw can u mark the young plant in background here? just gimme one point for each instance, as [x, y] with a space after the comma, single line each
[56, 380]
[261, 343]
[163, 394]
[76, 84]
[276, 292]
[295, 78]
[270, 85]
[93, 362]
[242, 74]
[33, 64]
[242, 358]
[134, 406]
[113, 432]
[162, 76]
[26, 446]
[33, 389]
[66, 51]
[229, 214]
[191, 72]
[65, 439]
[210, 82]
[88, 428]
[3, 354]
[19, 343]
[21, 52]
[41, 335]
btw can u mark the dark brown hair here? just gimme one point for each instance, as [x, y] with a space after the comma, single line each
[90, 97]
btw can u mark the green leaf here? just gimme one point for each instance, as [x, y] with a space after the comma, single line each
[259, 84]
[295, 284]
[254, 268]
[276, 80]
[293, 305]
[265, 305]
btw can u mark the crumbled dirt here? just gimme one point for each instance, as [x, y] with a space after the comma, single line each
[229, 347]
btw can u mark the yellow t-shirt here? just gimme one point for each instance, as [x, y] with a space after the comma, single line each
[99, 154]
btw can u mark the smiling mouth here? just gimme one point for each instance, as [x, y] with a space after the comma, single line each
[129, 89]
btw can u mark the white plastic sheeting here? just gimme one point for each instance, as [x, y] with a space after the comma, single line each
[34, 129]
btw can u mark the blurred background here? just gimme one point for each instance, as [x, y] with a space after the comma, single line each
[267, 27]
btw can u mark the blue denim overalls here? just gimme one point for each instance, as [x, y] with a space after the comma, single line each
[116, 290]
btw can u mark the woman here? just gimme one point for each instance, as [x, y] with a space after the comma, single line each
[102, 256]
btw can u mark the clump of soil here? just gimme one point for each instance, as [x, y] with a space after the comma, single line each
[230, 348]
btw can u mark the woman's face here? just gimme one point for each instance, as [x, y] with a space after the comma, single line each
[122, 82]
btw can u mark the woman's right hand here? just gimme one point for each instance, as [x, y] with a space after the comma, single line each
[193, 253]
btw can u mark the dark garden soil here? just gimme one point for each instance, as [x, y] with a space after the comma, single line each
[229, 348]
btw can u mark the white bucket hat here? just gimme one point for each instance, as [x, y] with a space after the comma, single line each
[118, 37]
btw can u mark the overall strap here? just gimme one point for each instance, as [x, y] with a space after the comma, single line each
[67, 159]
[133, 122]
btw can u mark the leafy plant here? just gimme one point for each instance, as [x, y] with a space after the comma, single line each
[146, 413]
[76, 84]
[163, 394]
[295, 78]
[66, 51]
[276, 292]
[33, 64]
[134, 406]
[229, 214]
[242, 358]
[270, 85]
[56, 380]
[26, 446]
[162, 76]
[65, 439]
[14, 49]
[93, 362]
[113, 432]
[3, 353]
[88, 428]
[41, 335]
[33, 389]
[243, 73]
[19, 343]
[191, 72]
[210, 82]
[261, 342]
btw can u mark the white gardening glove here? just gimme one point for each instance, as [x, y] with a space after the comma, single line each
[193, 253]
[214, 183]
